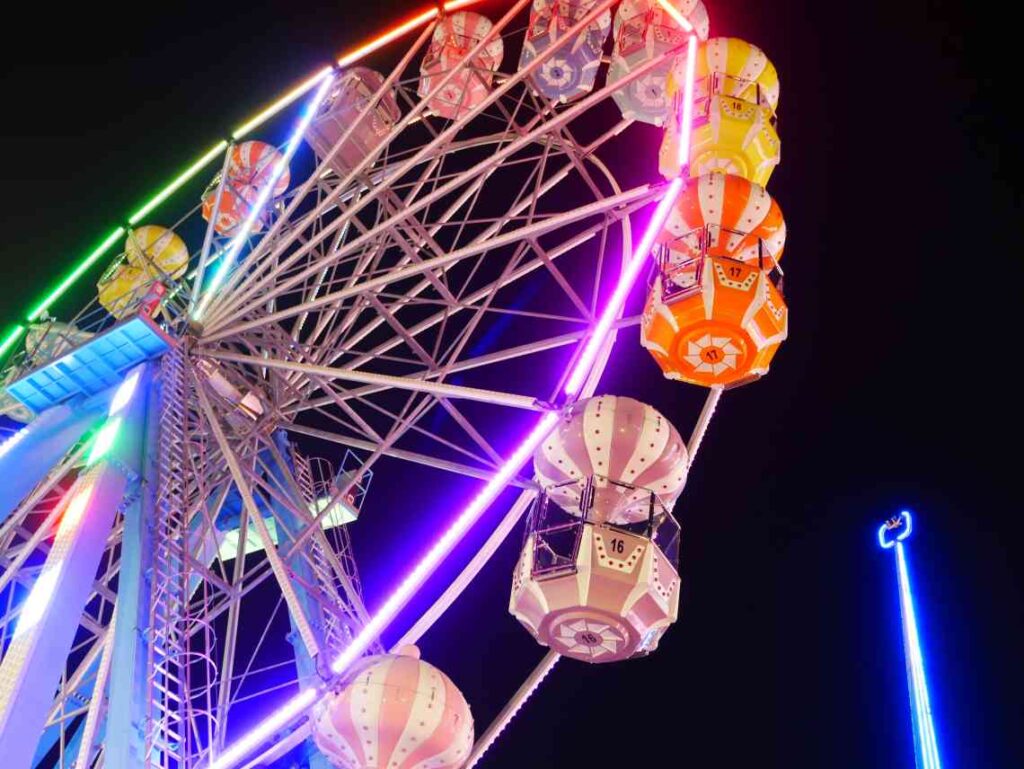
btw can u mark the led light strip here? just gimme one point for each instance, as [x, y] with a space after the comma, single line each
[928, 751]
[479, 504]
[345, 60]
[686, 120]
[293, 95]
[12, 336]
[86, 263]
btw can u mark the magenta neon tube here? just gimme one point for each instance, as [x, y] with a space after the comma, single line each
[478, 505]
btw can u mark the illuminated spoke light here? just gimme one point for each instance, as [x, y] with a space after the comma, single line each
[926, 750]
[293, 95]
[231, 253]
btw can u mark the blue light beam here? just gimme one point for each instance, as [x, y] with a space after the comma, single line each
[926, 750]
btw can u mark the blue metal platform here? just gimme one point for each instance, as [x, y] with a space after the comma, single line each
[93, 366]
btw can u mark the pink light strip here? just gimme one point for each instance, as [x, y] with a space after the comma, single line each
[479, 504]
[686, 121]
[677, 15]
[442, 547]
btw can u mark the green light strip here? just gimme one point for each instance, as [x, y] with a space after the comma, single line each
[173, 187]
[296, 93]
[12, 337]
[65, 284]
[199, 165]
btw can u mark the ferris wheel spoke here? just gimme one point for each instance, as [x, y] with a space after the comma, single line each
[498, 223]
[308, 402]
[375, 322]
[426, 460]
[386, 380]
[394, 299]
[479, 295]
[644, 193]
[553, 124]
[402, 424]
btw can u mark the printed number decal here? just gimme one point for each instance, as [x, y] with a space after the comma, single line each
[618, 546]
[735, 272]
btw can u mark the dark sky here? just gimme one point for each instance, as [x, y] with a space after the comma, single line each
[896, 388]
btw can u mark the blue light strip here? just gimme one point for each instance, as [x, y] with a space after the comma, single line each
[926, 750]
[231, 253]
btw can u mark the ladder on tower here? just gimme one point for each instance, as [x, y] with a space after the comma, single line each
[166, 730]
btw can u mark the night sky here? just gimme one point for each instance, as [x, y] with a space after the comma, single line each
[897, 386]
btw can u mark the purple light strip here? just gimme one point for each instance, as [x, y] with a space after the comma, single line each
[479, 504]
[443, 546]
[618, 298]
[611, 311]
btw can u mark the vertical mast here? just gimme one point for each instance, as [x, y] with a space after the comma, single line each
[891, 536]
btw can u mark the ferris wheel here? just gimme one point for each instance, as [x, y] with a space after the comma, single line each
[422, 282]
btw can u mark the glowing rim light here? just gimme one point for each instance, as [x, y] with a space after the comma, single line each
[205, 160]
[443, 546]
[86, 263]
[686, 121]
[926, 745]
[293, 95]
[265, 194]
[350, 57]
[178, 182]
